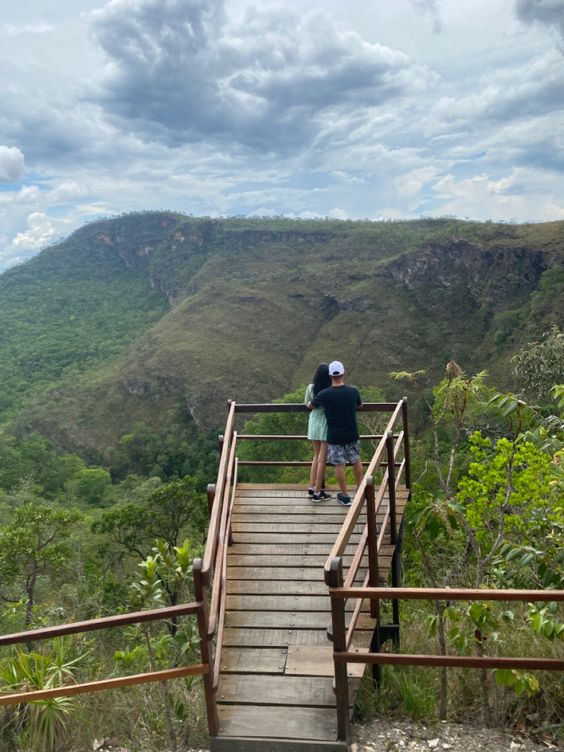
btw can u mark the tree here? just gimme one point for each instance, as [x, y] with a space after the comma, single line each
[169, 512]
[34, 546]
[90, 485]
[541, 364]
[166, 577]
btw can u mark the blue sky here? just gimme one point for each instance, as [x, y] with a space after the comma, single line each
[369, 108]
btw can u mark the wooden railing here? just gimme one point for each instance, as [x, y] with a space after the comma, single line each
[35, 635]
[211, 573]
[340, 592]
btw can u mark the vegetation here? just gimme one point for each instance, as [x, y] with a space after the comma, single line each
[118, 348]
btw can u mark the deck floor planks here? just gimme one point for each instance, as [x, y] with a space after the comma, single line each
[276, 663]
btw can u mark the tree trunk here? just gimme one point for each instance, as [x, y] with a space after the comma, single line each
[443, 669]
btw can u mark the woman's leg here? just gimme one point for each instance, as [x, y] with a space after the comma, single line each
[321, 461]
[314, 462]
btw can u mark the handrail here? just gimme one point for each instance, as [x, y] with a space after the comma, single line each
[299, 407]
[219, 647]
[108, 622]
[212, 538]
[105, 622]
[342, 637]
[223, 537]
[292, 436]
[359, 497]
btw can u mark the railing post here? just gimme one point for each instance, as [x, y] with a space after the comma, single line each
[391, 484]
[199, 592]
[211, 497]
[372, 544]
[406, 443]
[334, 578]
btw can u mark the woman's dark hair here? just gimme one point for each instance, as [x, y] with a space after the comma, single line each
[321, 378]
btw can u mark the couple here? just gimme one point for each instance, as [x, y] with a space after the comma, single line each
[332, 429]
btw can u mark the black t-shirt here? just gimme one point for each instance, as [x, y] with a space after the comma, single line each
[340, 404]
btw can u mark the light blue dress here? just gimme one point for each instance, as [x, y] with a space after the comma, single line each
[317, 424]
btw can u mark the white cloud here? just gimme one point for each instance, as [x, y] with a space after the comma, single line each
[39, 232]
[27, 195]
[67, 191]
[39, 27]
[11, 164]
[505, 197]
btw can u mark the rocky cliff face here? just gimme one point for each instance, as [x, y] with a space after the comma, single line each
[491, 277]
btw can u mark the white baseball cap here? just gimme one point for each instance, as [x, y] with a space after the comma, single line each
[336, 368]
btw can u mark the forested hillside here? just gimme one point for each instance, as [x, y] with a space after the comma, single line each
[136, 323]
[118, 349]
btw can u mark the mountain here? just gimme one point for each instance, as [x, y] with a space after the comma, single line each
[157, 317]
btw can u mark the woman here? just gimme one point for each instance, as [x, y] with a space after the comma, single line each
[317, 434]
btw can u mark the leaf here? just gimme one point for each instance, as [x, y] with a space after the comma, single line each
[504, 677]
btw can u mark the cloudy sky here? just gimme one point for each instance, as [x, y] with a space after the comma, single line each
[356, 108]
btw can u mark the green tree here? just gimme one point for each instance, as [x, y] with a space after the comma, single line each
[540, 365]
[171, 511]
[35, 546]
[90, 485]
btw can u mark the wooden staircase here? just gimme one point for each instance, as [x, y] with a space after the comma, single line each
[276, 676]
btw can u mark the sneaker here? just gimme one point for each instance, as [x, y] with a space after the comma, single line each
[345, 500]
[310, 491]
[321, 496]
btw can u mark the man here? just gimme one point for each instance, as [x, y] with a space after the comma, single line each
[340, 403]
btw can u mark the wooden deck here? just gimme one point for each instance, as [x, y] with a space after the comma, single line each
[276, 674]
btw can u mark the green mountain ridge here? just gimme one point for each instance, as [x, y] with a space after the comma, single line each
[157, 317]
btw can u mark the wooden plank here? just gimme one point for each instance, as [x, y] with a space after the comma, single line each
[288, 620]
[302, 500]
[314, 560]
[304, 525]
[309, 508]
[274, 722]
[253, 660]
[260, 744]
[287, 501]
[282, 603]
[289, 574]
[255, 637]
[317, 661]
[269, 587]
[294, 490]
[276, 488]
[328, 516]
[280, 551]
[299, 574]
[304, 691]
[242, 538]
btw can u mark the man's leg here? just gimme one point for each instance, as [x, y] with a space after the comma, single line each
[358, 472]
[340, 473]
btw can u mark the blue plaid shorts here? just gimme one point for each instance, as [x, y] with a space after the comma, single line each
[340, 454]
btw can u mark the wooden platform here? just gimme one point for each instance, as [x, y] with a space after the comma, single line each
[276, 682]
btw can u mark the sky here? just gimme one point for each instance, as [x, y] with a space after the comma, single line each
[377, 109]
